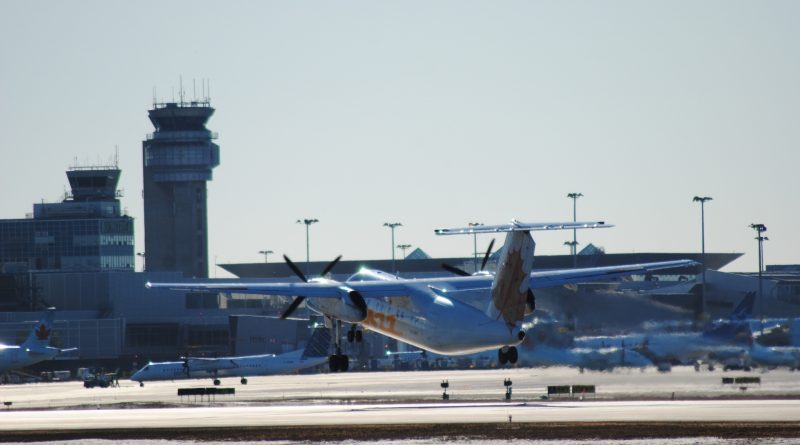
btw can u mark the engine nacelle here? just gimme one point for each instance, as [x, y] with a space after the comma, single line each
[350, 308]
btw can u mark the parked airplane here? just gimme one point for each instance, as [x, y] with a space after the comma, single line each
[723, 341]
[315, 353]
[420, 312]
[35, 349]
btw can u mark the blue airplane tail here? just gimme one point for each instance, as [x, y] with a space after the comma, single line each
[319, 343]
[745, 308]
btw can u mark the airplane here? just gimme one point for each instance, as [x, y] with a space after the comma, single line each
[315, 353]
[722, 341]
[547, 344]
[36, 348]
[427, 313]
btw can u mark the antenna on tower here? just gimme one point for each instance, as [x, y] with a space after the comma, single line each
[209, 90]
[180, 90]
[194, 90]
[116, 156]
[154, 96]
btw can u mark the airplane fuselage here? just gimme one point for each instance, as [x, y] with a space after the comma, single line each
[227, 367]
[434, 322]
[13, 356]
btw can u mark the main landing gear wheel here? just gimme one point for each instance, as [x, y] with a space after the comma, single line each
[216, 382]
[243, 381]
[507, 355]
[354, 335]
[338, 362]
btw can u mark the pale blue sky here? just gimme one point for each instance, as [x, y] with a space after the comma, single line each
[429, 113]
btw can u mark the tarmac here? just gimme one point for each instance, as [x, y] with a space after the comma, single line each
[370, 406]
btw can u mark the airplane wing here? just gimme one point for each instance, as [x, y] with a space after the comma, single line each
[402, 288]
[368, 289]
[550, 278]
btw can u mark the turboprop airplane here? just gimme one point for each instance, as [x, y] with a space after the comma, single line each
[314, 354]
[35, 349]
[421, 312]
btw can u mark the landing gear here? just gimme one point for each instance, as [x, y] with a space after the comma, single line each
[216, 382]
[354, 335]
[338, 361]
[507, 354]
[141, 384]
[243, 381]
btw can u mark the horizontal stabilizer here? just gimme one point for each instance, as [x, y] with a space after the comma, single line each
[518, 226]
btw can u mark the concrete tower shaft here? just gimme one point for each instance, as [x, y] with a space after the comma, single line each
[178, 160]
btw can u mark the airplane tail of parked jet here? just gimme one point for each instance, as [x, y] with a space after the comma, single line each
[319, 343]
[745, 309]
[39, 338]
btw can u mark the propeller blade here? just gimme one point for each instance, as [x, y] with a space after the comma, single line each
[292, 307]
[358, 300]
[488, 253]
[455, 270]
[295, 269]
[330, 266]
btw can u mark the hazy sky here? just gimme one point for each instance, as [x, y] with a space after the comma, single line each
[428, 113]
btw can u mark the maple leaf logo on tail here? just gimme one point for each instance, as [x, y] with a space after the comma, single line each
[42, 333]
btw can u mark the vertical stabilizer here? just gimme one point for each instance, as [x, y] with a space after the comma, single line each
[39, 337]
[745, 308]
[318, 344]
[510, 286]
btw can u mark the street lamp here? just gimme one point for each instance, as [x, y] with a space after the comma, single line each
[760, 229]
[702, 200]
[392, 226]
[266, 254]
[574, 197]
[307, 222]
[475, 243]
[403, 247]
[141, 254]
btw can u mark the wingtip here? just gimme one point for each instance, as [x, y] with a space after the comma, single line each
[148, 285]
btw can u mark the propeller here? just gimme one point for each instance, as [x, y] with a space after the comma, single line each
[299, 299]
[463, 273]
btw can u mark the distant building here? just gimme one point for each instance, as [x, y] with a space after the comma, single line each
[178, 159]
[84, 232]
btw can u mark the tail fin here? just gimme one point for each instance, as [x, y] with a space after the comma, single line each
[318, 344]
[510, 286]
[744, 310]
[510, 290]
[39, 337]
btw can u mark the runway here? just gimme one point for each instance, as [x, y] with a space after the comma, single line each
[396, 404]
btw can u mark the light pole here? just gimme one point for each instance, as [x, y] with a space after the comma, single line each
[308, 223]
[702, 200]
[574, 197]
[760, 229]
[266, 254]
[403, 247]
[475, 243]
[392, 226]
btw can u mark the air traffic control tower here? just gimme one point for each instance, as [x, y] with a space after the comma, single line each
[178, 159]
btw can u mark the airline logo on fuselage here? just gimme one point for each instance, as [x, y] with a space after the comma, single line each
[381, 322]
